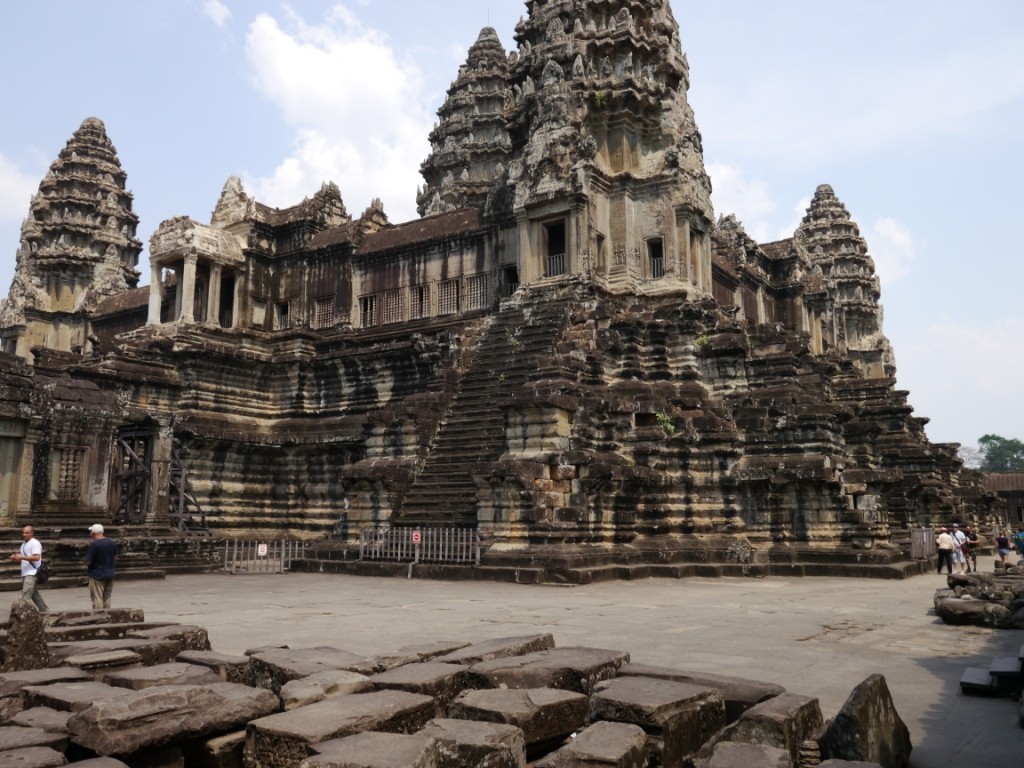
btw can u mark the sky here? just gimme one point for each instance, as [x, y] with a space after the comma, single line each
[913, 111]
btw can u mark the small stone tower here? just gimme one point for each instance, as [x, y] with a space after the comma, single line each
[78, 247]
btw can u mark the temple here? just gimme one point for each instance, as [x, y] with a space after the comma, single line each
[567, 353]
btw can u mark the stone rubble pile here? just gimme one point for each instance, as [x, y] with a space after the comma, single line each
[119, 691]
[985, 599]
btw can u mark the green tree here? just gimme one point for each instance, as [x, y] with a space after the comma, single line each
[1001, 454]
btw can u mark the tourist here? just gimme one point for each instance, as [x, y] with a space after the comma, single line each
[1018, 542]
[1003, 546]
[944, 543]
[971, 549]
[99, 560]
[959, 539]
[31, 557]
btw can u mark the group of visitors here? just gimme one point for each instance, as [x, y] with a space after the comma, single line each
[100, 556]
[961, 547]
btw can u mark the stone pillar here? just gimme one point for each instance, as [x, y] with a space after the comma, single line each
[187, 290]
[236, 310]
[154, 295]
[213, 295]
[160, 475]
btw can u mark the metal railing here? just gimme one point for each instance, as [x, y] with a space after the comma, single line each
[420, 545]
[555, 265]
[262, 556]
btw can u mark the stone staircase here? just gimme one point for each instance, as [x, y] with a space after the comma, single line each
[473, 430]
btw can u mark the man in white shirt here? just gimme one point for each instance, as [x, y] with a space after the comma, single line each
[959, 537]
[944, 543]
[31, 557]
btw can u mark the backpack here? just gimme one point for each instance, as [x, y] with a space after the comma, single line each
[42, 573]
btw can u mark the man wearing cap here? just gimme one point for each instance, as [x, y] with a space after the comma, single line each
[99, 560]
[944, 543]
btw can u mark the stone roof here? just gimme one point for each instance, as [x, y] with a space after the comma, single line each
[1004, 481]
[431, 228]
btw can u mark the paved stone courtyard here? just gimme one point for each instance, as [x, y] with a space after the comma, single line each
[819, 637]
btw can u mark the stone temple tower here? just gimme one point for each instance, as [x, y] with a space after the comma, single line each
[78, 247]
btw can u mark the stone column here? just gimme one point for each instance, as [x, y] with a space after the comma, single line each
[187, 292]
[154, 295]
[213, 295]
[236, 309]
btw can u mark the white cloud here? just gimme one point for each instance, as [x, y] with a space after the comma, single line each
[892, 247]
[754, 203]
[217, 12]
[358, 110]
[16, 190]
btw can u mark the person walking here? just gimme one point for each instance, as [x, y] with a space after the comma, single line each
[944, 543]
[31, 557]
[959, 542]
[1003, 546]
[971, 549]
[99, 562]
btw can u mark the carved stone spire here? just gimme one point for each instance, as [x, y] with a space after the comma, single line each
[470, 146]
[78, 245]
[828, 239]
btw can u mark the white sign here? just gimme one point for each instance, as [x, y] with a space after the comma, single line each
[261, 550]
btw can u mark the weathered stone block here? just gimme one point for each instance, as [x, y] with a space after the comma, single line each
[283, 740]
[730, 754]
[375, 750]
[12, 683]
[544, 714]
[602, 745]
[230, 669]
[442, 682]
[868, 728]
[162, 715]
[18, 737]
[782, 722]
[216, 752]
[68, 697]
[172, 673]
[150, 651]
[499, 648]
[100, 664]
[571, 669]
[739, 694]
[322, 685]
[272, 668]
[101, 762]
[473, 744]
[416, 653]
[189, 637]
[25, 647]
[33, 757]
[45, 718]
[678, 717]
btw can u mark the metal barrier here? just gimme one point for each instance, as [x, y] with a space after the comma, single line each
[262, 556]
[420, 545]
[922, 543]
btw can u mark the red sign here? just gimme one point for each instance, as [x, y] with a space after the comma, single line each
[415, 537]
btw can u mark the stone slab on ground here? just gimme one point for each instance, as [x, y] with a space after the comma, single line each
[171, 673]
[151, 651]
[322, 685]
[105, 631]
[499, 648]
[99, 664]
[783, 722]
[84, 618]
[544, 714]
[230, 668]
[69, 697]
[101, 762]
[224, 751]
[739, 694]
[47, 718]
[678, 717]
[474, 744]
[734, 754]
[571, 669]
[977, 681]
[282, 740]
[19, 737]
[154, 717]
[602, 745]
[12, 683]
[188, 636]
[374, 750]
[32, 757]
[413, 654]
[442, 682]
[272, 668]
[868, 728]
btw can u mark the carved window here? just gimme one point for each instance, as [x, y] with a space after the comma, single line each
[448, 297]
[282, 315]
[368, 311]
[69, 474]
[476, 296]
[554, 242]
[419, 302]
[656, 257]
[323, 313]
[391, 311]
[258, 315]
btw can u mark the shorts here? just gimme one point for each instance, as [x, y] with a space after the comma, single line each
[1004, 552]
[958, 556]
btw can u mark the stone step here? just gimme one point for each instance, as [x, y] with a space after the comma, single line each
[977, 681]
[1006, 673]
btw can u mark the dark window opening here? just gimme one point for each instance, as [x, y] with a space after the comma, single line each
[656, 257]
[554, 248]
